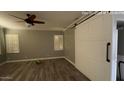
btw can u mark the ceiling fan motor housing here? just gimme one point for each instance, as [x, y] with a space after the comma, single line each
[29, 21]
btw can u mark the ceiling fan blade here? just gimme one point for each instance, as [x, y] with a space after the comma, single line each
[31, 17]
[17, 17]
[39, 22]
[20, 21]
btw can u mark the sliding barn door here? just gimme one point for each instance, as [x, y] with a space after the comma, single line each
[92, 47]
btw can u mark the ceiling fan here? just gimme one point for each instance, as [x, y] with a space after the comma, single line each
[30, 19]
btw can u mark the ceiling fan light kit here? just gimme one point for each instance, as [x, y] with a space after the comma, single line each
[28, 25]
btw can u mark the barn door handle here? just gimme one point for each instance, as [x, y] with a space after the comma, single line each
[107, 52]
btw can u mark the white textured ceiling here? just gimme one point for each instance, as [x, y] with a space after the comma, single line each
[55, 20]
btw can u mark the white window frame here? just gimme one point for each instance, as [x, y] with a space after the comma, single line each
[58, 42]
[12, 43]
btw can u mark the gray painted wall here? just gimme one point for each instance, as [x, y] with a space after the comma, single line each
[35, 44]
[69, 44]
[2, 44]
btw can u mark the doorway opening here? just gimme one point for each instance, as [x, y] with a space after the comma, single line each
[120, 51]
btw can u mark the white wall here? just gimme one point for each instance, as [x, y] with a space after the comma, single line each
[91, 38]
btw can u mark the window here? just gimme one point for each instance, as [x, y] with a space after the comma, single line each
[58, 42]
[12, 43]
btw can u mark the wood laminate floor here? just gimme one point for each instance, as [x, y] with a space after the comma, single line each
[45, 70]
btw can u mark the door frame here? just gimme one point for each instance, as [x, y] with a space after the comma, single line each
[114, 47]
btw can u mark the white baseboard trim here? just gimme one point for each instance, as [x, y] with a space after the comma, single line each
[34, 59]
[69, 61]
[23, 60]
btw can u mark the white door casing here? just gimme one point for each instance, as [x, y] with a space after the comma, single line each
[116, 16]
